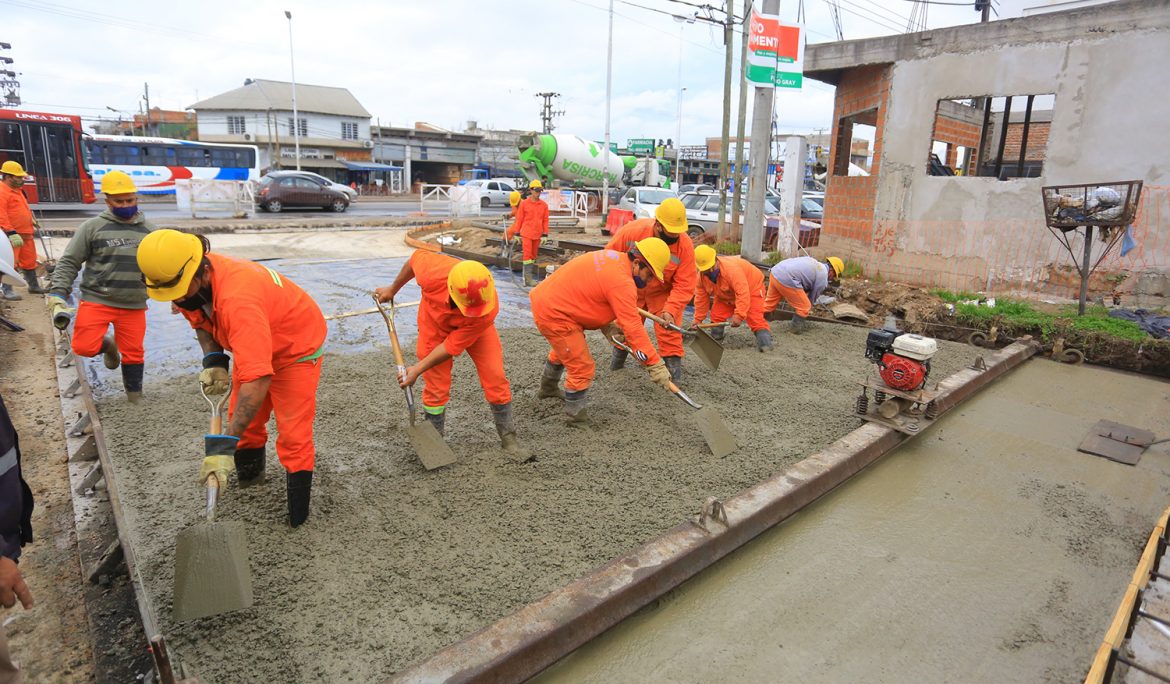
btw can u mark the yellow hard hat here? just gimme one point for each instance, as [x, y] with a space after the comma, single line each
[656, 253]
[117, 183]
[472, 289]
[536, 184]
[514, 197]
[705, 257]
[837, 264]
[12, 168]
[672, 215]
[168, 260]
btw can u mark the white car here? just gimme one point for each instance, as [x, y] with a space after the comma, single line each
[492, 191]
[644, 200]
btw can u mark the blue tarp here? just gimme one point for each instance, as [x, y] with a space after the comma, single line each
[369, 166]
[1156, 324]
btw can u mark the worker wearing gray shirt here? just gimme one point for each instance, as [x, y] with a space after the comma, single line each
[799, 281]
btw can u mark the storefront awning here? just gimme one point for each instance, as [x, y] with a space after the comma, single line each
[369, 166]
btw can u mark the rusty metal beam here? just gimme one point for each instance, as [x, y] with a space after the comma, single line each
[526, 642]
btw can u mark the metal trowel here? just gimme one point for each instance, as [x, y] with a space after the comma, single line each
[428, 444]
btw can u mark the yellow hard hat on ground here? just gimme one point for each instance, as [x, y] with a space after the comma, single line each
[117, 183]
[168, 260]
[12, 168]
[837, 264]
[705, 257]
[536, 184]
[514, 197]
[655, 252]
[472, 289]
[672, 215]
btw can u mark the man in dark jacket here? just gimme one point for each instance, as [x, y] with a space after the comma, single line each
[16, 505]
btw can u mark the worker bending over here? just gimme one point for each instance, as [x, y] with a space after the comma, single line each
[668, 296]
[458, 313]
[276, 332]
[800, 281]
[590, 292]
[17, 222]
[737, 287]
[112, 292]
[532, 225]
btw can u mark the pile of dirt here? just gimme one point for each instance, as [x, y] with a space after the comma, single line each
[914, 306]
[396, 562]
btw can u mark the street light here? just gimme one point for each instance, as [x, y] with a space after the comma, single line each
[119, 112]
[293, 66]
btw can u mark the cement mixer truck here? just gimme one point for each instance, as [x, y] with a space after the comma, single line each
[582, 164]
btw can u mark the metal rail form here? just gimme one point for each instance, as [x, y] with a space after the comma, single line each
[526, 642]
[94, 446]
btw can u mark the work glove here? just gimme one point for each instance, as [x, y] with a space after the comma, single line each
[16, 240]
[736, 321]
[659, 375]
[614, 334]
[543, 240]
[60, 312]
[214, 377]
[516, 239]
[219, 458]
[668, 317]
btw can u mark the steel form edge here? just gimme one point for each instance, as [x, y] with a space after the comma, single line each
[528, 641]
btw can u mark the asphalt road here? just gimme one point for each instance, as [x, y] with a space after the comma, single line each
[168, 210]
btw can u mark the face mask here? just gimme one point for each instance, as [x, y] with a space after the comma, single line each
[125, 213]
[713, 275]
[669, 238]
[638, 282]
[196, 301]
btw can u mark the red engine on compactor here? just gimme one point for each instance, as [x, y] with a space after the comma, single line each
[903, 359]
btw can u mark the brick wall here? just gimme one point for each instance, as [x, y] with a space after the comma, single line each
[849, 200]
[1037, 141]
[956, 133]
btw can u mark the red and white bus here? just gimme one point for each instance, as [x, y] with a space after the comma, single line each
[156, 163]
[49, 148]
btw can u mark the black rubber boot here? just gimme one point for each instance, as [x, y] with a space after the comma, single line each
[439, 420]
[799, 325]
[717, 333]
[550, 380]
[674, 365]
[110, 355]
[250, 466]
[618, 360]
[505, 428]
[764, 340]
[575, 407]
[34, 287]
[132, 381]
[300, 486]
[529, 275]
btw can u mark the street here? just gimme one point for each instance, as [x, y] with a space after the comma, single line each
[362, 207]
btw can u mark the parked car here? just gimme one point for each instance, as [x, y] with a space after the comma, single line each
[811, 209]
[703, 210]
[695, 187]
[280, 190]
[644, 200]
[491, 191]
[349, 192]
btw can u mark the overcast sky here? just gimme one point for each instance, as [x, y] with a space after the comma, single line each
[440, 61]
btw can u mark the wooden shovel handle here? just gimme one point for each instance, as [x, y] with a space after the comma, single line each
[398, 359]
[657, 319]
[217, 424]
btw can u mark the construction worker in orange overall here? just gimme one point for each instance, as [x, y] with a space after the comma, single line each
[670, 296]
[457, 314]
[590, 292]
[737, 287]
[800, 281]
[17, 222]
[112, 292]
[276, 332]
[532, 225]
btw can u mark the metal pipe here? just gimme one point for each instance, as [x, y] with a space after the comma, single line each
[526, 642]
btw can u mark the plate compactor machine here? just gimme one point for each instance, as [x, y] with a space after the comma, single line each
[900, 398]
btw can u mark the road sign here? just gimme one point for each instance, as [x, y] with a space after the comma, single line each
[775, 52]
[640, 145]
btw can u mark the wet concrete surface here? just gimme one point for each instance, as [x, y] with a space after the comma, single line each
[988, 549]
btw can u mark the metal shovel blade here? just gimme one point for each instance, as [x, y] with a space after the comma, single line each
[211, 570]
[432, 451]
[707, 348]
[715, 431]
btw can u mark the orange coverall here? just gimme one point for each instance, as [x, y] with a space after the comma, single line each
[441, 322]
[675, 293]
[92, 322]
[587, 293]
[739, 290]
[532, 224]
[17, 217]
[273, 328]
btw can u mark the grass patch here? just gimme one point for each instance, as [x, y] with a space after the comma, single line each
[948, 296]
[1014, 314]
[726, 248]
[853, 269]
[772, 258]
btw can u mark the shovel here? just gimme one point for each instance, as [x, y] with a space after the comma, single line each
[211, 558]
[432, 451]
[707, 348]
[718, 437]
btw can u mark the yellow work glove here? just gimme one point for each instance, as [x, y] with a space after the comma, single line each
[659, 375]
[214, 380]
[219, 458]
[16, 240]
[60, 312]
[614, 334]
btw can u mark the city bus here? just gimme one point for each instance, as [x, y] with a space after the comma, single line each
[49, 148]
[156, 163]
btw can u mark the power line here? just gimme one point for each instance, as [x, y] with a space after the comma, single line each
[938, 2]
[869, 16]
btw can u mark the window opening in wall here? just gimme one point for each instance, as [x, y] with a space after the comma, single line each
[349, 131]
[302, 127]
[236, 125]
[855, 138]
[998, 136]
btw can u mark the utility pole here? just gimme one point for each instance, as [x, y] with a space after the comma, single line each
[268, 122]
[984, 7]
[9, 86]
[547, 113]
[293, 70]
[727, 54]
[146, 98]
[743, 88]
[753, 229]
[608, 94]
